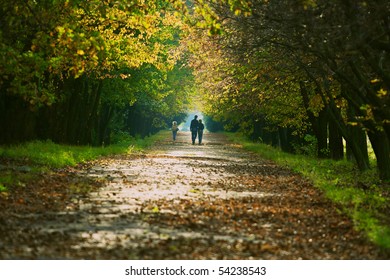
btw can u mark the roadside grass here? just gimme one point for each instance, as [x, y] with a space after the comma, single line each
[361, 195]
[52, 155]
[20, 164]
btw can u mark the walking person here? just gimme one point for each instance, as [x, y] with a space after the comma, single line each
[194, 129]
[174, 129]
[200, 131]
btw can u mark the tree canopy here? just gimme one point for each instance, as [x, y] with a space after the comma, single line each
[76, 71]
[69, 65]
[301, 67]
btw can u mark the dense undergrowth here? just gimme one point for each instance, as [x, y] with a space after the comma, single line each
[362, 196]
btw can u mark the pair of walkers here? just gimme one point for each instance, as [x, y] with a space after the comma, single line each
[196, 128]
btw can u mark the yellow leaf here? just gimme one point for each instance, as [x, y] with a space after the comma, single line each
[382, 92]
[374, 81]
[80, 52]
[155, 209]
[60, 30]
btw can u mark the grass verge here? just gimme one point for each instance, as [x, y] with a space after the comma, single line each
[52, 155]
[362, 196]
[20, 164]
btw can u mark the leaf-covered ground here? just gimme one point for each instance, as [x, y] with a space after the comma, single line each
[178, 201]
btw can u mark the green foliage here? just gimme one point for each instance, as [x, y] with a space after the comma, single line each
[358, 195]
[79, 64]
[242, 89]
[159, 97]
[213, 125]
[5, 179]
[286, 64]
[2, 187]
[308, 148]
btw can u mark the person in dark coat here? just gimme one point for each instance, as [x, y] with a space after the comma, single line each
[194, 129]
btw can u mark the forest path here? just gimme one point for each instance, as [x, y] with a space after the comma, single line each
[183, 201]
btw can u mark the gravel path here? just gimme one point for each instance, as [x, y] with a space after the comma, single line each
[183, 201]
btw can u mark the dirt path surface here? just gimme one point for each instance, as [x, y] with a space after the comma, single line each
[179, 201]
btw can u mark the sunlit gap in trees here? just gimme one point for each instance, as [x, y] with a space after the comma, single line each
[195, 108]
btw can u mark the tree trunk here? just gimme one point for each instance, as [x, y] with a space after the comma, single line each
[93, 113]
[336, 145]
[72, 120]
[106, 115]
[318, 124]
[285, 140]
[381, 147]
[17, 121]
[360, 140]
[358, 135]
[359, 151]
[322, 134]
